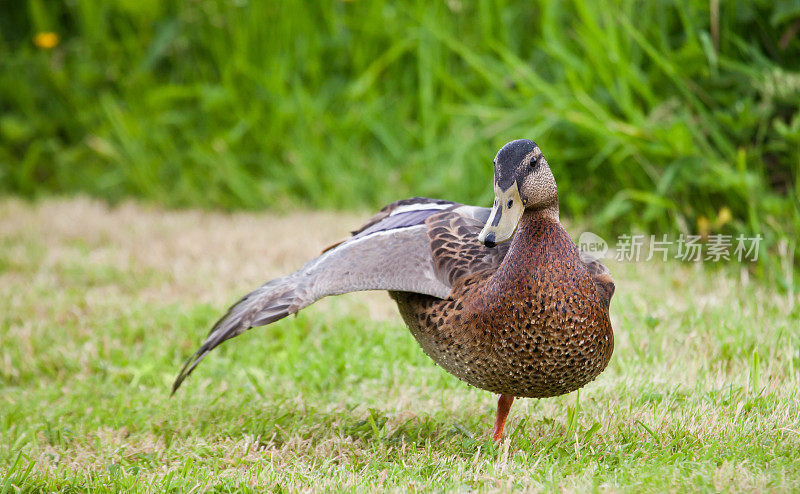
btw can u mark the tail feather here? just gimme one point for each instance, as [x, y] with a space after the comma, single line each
[267, 304]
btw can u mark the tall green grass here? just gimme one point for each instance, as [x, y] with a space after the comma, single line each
[660, 114]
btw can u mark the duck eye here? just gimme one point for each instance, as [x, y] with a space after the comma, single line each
[510, 203]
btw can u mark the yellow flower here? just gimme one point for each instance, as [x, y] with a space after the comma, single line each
[724, 216]
[46, 40]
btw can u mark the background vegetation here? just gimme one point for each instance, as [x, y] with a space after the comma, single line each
[669, 115]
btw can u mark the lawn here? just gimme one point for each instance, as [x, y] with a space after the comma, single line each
[100, 306]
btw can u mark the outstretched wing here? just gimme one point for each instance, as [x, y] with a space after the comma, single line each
[414, 245]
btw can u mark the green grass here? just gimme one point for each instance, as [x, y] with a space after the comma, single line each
[667, 115]
[98, 311]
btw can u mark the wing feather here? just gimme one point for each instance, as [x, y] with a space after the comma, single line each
[455, 247]
[389, 253]
[601, 276]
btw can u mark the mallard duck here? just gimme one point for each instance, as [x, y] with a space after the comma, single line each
[525, 318]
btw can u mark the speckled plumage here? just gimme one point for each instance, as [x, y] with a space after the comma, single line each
[537, 325]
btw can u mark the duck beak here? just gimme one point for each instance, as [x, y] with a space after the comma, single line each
[503, 221]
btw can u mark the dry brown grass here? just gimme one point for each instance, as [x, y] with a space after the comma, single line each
[186, 248]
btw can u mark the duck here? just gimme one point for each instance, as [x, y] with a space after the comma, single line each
[499, 297]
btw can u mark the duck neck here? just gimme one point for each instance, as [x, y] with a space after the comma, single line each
[530, 225]
[549, 212]
[534, 227]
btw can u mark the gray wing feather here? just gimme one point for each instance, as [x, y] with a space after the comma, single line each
[481, 215]
[394, 259]
[413, 202]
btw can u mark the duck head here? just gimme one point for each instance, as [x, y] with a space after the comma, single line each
[522, 181]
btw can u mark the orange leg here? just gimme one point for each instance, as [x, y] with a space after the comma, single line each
[503, 406]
